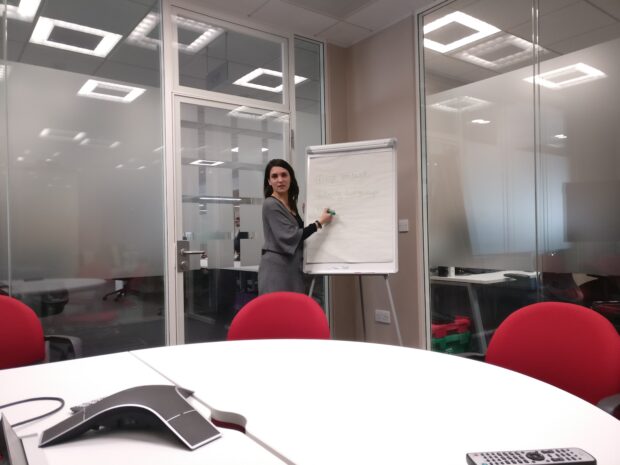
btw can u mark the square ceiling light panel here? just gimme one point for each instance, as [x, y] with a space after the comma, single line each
[567, 76]
[455, 30]
[142, 35]
[458, 104]
[256, 80]
[499, 52]
[201, 34]
[73, 37]
[110, 91]
[24, 10]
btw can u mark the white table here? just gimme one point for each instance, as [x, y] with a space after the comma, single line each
[204, 264]
[83, 380]
[334, 402]
[42, 286]
[468, 281]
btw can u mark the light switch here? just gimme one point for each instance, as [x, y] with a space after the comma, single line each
[403, 225]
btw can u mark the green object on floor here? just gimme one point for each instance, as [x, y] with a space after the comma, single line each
[452, 343]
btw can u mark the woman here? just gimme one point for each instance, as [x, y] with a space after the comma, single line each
[281, 264]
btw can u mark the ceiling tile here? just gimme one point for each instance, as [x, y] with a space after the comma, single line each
[453, 68]
[571, 21]
[383, 13]
[51, 57]
[610, 6]
[294, 19]
[118, 16]
[344, 34]
[339, 9]
[588, 39]
[235, 7]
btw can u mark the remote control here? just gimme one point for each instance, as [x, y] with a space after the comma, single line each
[567, 455]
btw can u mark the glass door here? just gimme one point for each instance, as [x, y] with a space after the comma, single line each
[220, 154]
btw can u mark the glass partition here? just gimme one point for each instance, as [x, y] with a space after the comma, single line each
[521, 158]
[85, 214]
[580, 156]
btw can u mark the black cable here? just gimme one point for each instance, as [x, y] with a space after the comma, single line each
[35, 399]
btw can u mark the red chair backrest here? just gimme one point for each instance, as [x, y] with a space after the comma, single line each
[21, 334]
[280, 315]
[563, 344]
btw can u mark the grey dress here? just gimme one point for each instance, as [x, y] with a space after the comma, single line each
[282, 260]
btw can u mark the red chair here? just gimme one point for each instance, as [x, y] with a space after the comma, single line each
[563, 344]
[21, 337]
[280, 315]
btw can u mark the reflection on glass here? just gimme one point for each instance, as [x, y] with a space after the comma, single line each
[85, 184]
[480, 170]
[501, 199]
[224, 151]
[219, 59]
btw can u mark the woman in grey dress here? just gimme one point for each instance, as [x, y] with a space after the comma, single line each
[281, 263]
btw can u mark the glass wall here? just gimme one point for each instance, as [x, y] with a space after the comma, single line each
[84, 190]
[522, 160]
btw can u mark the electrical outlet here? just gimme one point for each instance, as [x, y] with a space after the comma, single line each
[383, 316]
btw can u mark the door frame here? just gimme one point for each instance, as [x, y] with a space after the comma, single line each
[173, 96]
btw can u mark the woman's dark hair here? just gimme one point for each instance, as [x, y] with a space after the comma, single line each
[293, 190]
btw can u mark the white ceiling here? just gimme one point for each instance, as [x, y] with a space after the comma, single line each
[340, 22]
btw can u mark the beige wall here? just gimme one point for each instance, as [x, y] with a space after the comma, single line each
[371, 95]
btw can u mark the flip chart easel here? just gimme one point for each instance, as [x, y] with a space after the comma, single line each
[358, 181]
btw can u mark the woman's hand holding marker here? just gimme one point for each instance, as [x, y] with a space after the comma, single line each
[326, 217]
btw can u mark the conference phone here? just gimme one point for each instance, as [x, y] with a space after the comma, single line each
[152, 406]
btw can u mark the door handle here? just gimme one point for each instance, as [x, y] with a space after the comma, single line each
[183, 251]
[191, 252]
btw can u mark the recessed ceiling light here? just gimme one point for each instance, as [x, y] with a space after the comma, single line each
[566, 76]
[139, 36]
[246, 80]
[25, 10]
[61, 134]
[482, 30]
[235, 149]
[500, 52]
[560, 136]
[119, 92]
[207, 162]
[20, 158]
[480, 121]
[45, 26]
[208, 34]
[264, 149]
[141, 167]
[458, 104]
[119, 166]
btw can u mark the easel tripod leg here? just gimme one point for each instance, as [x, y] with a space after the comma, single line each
[396, 326]
[363, 309]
